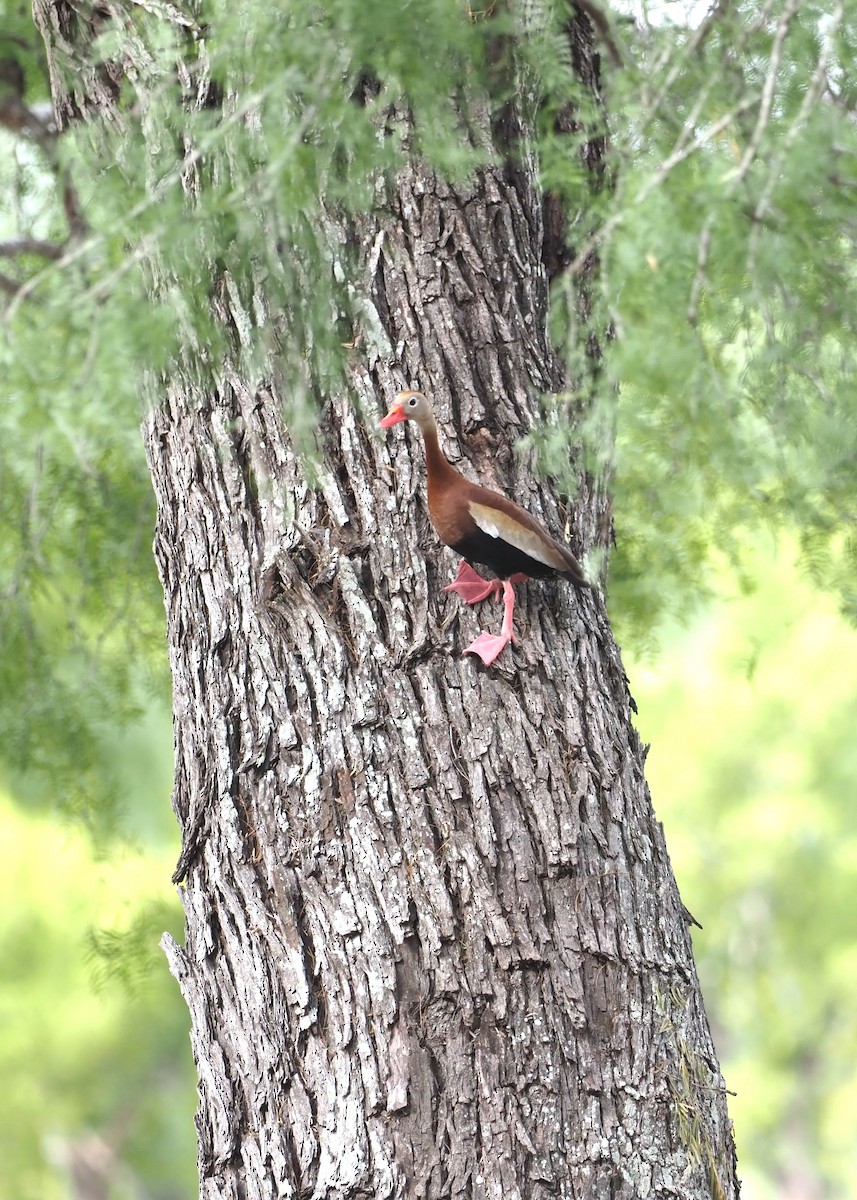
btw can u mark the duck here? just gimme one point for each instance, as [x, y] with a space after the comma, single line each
[485, 528]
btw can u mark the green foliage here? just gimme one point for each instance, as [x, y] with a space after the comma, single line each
[295, 128]
[82, 1068]
[728, 275]
[726, 242]
[753, 770]
[81, 607]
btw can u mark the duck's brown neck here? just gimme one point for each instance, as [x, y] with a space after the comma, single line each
[439, 471]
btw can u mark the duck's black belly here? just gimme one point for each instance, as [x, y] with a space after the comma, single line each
[498, 556]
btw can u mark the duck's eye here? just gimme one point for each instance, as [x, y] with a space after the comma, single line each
[413, 402]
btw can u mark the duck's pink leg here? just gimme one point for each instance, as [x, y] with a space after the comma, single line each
[489, 646]
[472, 587]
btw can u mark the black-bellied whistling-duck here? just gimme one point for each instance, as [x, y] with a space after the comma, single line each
[483, 527]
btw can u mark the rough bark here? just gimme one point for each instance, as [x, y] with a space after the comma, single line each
[434, 946]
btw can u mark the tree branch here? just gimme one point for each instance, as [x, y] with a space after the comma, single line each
[682, 150]
[767, 100]
[701, 263]
[29, 245]
[811, 97]
[9, 286]
[694, 45]
[30, 122]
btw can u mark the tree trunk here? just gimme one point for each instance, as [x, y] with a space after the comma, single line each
[434, 946]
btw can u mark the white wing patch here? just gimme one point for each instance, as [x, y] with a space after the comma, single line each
[498, 524]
